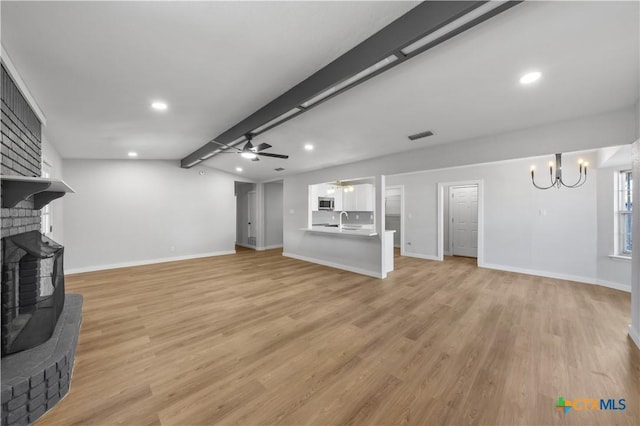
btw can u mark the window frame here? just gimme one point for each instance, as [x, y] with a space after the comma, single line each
[624, 212]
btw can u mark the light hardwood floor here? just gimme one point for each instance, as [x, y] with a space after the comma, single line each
[257, 338]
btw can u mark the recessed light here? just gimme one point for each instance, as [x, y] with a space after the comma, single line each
[238, 169]
[248, 155]
[530, 77]
[308, 147]
[132, 154]
[159, 106]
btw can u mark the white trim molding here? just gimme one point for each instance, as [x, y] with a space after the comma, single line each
[146, 262]
[374, 274]
[480, 184]
[276, 246]
[15, 76]
[635, 335]
[247, 246]
[620, 257]
[555, 275]
[423, 256]
[613, 285]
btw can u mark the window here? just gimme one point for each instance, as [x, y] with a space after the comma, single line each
[625, 203]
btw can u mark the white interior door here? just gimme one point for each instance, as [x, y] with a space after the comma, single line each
[463, 220]
[251, 222]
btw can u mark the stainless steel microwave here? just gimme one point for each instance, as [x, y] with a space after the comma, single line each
[326, 203]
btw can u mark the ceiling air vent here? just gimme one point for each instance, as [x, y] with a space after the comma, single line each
[421, 135]
[279, 169]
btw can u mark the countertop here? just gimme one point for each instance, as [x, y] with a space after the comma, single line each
[351, 231]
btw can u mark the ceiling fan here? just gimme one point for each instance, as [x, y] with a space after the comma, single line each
[250, 151]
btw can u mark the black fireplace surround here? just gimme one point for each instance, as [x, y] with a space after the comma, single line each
[32, 290]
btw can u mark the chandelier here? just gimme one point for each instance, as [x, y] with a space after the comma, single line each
[557, 180]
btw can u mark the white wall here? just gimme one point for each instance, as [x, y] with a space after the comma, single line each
[637, 114]
[135, 211]
[357, 254]
[52, 157]
[634, 327]
[610, 129]
[273, 214]
[611, 271]
[548, 232]
[533, 234]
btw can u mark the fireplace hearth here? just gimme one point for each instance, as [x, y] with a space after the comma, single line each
[32, 290]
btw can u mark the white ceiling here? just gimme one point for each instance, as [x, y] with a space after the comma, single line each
[94, 68]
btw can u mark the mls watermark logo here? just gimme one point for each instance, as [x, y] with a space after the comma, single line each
[588, 404]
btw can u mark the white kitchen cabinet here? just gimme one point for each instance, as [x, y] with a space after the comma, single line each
[338, 201]
[349, 201]
[364, 197]
[360, 199]
[323, 190]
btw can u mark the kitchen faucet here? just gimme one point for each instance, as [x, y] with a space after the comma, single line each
[346, 214]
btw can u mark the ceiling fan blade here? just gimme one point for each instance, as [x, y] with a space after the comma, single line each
[267, 154]
[262, 147]
[248, 147]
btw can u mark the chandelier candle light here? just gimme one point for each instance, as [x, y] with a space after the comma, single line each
[557, 180]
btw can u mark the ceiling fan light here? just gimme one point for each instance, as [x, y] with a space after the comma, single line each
[531, 77]
[248, 155]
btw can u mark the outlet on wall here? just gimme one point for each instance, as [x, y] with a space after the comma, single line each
[172, 248]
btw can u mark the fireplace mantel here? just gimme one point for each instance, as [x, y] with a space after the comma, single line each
[42, 190]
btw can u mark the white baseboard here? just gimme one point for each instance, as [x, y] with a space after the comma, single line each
[567, 277]
[422, 256]
[336, 265]
[269, 247]
[246, 246]
[615, 286]
[145, 262]
[635, 335]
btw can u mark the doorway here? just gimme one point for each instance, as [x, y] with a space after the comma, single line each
[394, 211]
[475, 220]
[246, 213]
[251, 218]
[463, 221]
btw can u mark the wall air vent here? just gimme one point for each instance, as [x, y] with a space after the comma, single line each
[279, 169]
[421, 135]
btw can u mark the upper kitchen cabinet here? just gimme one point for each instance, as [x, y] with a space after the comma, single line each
[342, 195]
[325, 191]
[358, 197]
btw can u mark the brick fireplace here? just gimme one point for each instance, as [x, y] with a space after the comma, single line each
[40, 325]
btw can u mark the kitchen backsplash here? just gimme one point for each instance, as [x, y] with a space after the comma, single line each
[324, 217]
